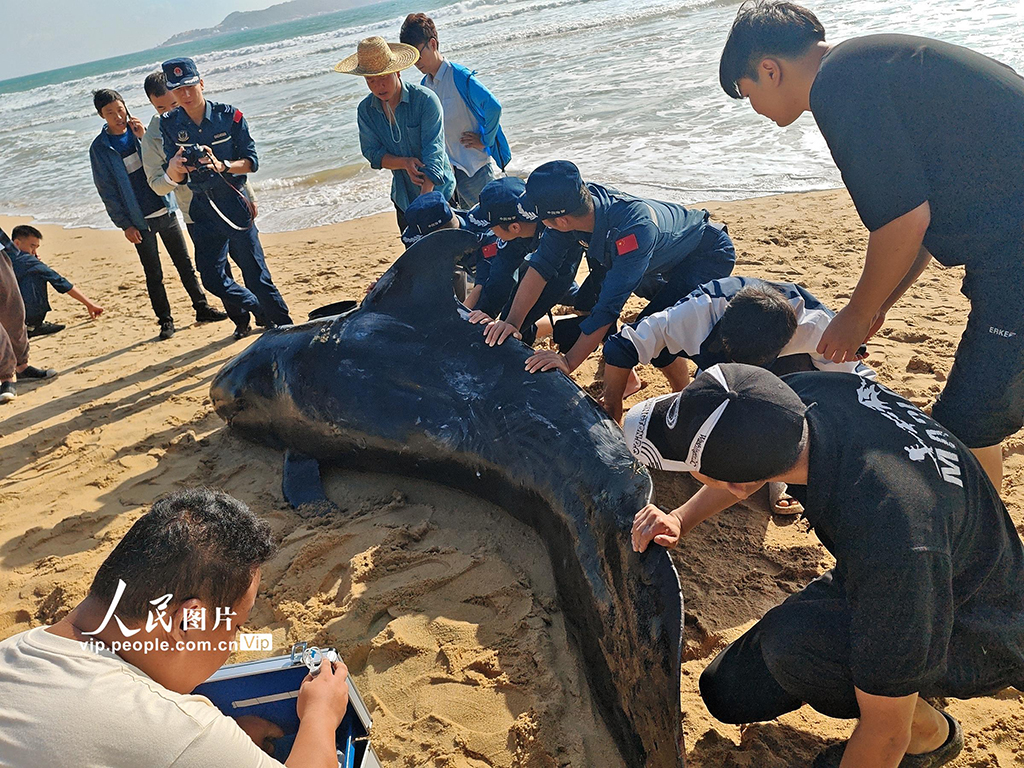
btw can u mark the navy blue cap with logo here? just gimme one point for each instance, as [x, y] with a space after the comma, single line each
[499, 203]
[180, 72]
[427, 213]
[555, 189]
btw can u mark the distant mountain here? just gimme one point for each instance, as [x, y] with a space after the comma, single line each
[275, 14]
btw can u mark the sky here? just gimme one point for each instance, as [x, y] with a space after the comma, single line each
[40, 35]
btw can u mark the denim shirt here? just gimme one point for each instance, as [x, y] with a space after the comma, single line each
[417, 132]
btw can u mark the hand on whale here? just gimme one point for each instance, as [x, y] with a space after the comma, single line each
[403, 384]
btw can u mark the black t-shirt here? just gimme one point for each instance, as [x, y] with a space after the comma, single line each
[926, 553]
[910, 119]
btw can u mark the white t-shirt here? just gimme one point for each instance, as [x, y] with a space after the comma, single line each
[62, 704]
[457, 119]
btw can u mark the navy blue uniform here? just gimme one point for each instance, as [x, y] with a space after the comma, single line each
[558, 266]
[660, 251]
[226, 132]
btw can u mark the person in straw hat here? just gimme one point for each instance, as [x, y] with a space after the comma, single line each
[400, 126]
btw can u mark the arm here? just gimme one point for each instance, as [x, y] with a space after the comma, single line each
[153, 162]
[8, 245]
[370, 145]
[321, 706]
[615, 379]
[95, 310]
[893, 252]
[435, 160]
[920, 264]
[530, 289]
[474, 296]
[107, 189]
[666, 528]
[488, 106]
[882, 735]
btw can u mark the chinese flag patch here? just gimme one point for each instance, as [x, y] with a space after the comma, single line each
[238, 115]
[626, 244]
[490, 250]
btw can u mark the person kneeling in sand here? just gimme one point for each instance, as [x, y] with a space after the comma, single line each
[65, 694]
[732, 320]
[926, 598]
[34, 276]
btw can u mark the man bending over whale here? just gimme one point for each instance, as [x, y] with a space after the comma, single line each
[926, 598]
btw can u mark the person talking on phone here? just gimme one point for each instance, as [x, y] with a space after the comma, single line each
[115, 156]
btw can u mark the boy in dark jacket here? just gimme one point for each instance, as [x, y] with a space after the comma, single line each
[132, 205]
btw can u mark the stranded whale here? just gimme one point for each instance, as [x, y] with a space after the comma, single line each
[402, 383]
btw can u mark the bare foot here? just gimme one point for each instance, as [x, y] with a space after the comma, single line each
[633, 384]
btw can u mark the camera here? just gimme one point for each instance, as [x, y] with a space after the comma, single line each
[192, 155]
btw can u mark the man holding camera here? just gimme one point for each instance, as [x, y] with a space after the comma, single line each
[201, 139]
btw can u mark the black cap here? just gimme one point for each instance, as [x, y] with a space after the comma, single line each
[499, 203]
[555, 189]
[180, 72]
[735, 423]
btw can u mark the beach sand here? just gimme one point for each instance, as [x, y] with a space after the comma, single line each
[443, 606]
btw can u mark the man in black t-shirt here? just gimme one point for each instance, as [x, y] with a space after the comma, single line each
[927, 596]
[929, 138]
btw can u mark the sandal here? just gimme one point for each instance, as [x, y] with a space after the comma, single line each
[781, 503]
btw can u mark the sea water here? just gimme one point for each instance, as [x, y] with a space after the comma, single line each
[626, 89]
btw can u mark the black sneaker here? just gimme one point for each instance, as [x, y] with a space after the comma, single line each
[43, 329]
[7, 392]
[208, 314]
[166, 329]
[31, 372]
[242, 330]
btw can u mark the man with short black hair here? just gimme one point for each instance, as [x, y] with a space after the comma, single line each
[660, 251]
[928, 174]
[473, 138]
[115, 675]
[115, 156]
[164, 101]
[222, 134]
[926, 598]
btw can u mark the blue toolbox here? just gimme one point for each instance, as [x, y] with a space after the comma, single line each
[269, 688]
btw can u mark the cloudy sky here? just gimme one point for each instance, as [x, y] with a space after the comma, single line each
[48, 34]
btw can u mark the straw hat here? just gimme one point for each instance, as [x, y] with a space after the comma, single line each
[376, 56]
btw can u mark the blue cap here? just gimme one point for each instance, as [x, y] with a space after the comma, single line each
[499, 203]
[554, 189]
[427, 213]
[180, 72]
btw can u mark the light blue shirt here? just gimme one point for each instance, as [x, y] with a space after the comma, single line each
[416, 132]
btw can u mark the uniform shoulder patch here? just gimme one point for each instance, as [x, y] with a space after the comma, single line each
[490, 250]
[626, 244]
[238, 116]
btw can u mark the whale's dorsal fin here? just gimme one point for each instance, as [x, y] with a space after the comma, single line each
[419, 283]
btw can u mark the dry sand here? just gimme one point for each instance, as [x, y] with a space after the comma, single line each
[442, 605]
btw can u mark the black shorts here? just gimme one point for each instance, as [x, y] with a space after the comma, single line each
[983, 400]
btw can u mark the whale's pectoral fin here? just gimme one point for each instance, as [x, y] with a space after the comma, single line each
[302, 485]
